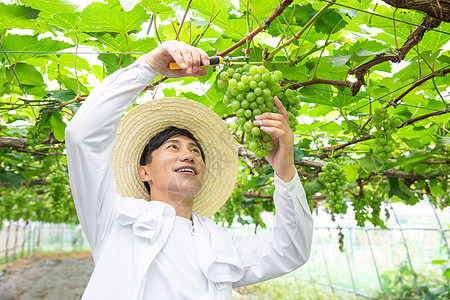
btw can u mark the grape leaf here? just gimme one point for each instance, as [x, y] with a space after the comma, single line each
[109, 17]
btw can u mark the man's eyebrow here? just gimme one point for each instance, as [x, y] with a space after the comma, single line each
[179, 142]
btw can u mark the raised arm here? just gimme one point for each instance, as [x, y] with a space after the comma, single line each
[91, 133]
[288, 245]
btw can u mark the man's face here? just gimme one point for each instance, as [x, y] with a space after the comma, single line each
[177, 169]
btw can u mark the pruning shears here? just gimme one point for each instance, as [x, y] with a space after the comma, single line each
[213, 60]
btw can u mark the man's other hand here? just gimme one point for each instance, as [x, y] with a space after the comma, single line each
[281, 157]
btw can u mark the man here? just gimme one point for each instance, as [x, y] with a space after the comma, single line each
[181, 156]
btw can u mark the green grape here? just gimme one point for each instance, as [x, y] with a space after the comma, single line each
[236, 76]
[224, 76]
[265, 77]
[259, 153]
[262, 107]
[252, 145]
[253, 71]
[262, 70]
[245, 79]
[262, 84]
[250, 96]
[269, 146]
[253, 84]
[270, 105]
[267, 92]
[256, 112]
[257, 77]
[260, 100]
[240, 121]
[256, 131]
[279, 74]
[248, 113]
[248, 126]
[273, 78]
[254, 105]
[232, 82]
[258, 91]
[221, 83]
[240, 86]
[226, 100]
[245, 104]
[236, 105]
[240, 112]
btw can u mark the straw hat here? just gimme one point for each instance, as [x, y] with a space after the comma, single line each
[146, 120]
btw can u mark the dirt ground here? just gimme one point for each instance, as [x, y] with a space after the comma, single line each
[53, 276]
[50, 277]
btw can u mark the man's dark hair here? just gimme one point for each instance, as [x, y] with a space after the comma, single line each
[159, 139]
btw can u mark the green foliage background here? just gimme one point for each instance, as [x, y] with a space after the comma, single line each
[41, 90]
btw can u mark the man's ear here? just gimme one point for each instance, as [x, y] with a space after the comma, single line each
[144, 173]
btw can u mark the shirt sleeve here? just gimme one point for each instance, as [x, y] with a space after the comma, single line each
[288, 246]
[90, 140]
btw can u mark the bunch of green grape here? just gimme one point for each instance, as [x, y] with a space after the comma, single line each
[37, 134]
[233, 206]
[250, 92]
[361, 207]
[333, 178]
[368, 203]
[57, 194]
[385, 127]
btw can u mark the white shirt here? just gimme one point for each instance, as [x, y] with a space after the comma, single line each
[128, 236]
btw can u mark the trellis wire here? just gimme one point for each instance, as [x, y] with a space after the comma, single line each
[385, 17]
[14, 71]
[70, 52]
[372, 100]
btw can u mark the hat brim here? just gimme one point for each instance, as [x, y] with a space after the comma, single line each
[146, 120]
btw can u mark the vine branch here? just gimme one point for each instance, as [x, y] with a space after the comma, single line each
[413, 86]
[398, 55]
[439, 9]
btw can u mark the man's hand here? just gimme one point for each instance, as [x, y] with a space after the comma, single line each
[282, 156]
[186, 56]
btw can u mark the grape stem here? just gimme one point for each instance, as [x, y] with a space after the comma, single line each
[269, 56]
[283, 5]
[182, 21]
